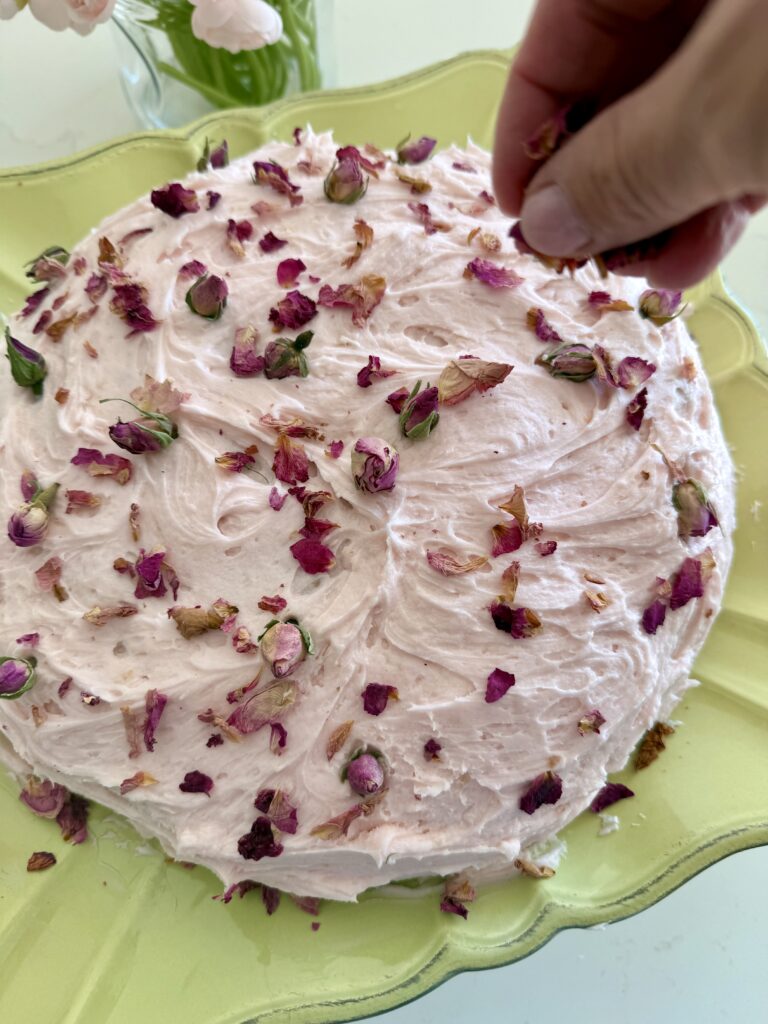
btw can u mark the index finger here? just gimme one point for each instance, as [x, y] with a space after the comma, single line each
[575, 49]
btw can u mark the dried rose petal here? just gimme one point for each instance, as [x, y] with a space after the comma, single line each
[196, 782]
[695, 514]
[374, 465]
[456, 894]
[98, 616]
[415, 151]
[398, 399]
[540, 326]
[238, 231]
[419, 186]
[313, 556]
[175, 200]
[264, 707]
[289, 271]
[276, 499]
[154, 705]
[43, 797]
[129, 302]
[551, 135]
[338, 738]
[72, 820]
[497, 685]
[81, 499]
[492, 274]
[546, 547]
[609, 794]
[654, 616]
[214, 740]
[432, 750]
[33, 301]
[272, 604]
[603, 302]
[591, 722]
[463, 377]
[270, 898]
[660, 305]
[294, 427]
[372, 166]
[259, 842]
[546, 788]
[236, 695]
[278, 737]
[234, 462]
[41, 861]
[596, 600]
[290, 464]
[28, 640]
[372, 371]
[424, 215]
[48, 576]
[507, 537]
[276, 806]
[449, 565]
[363, 241]
[520, 623]
[272, 174]
[376, 696]
[337, 827]
[334, 449]
[271, 243]
[687, 583]
[361, 298]
[365, 775]
[636, 409]
[652, 744]
[137, 780]
[115, 466]
[293, 312]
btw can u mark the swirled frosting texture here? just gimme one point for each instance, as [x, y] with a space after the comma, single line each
[382, 614]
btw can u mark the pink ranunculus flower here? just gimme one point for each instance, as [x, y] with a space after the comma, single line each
[81, 15]
[236, 25]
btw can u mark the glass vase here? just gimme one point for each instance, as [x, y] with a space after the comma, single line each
[170, 77]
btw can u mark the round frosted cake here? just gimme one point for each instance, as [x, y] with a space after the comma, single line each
[349, 541]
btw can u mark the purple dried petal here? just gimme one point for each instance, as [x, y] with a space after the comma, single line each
[154, 706]
[293, 312]
[289, 271]
[335, 448]
[654, 616]
[278, 737]
[695, 514]
[507, 537]
[276, 499]
[546, 547]
[175, 200]
[633, 371]
[259, 842]
[43, 797]
[546, 788]
[610, 794]
[372, 371]
[196, 782]
[376, 696]
[270, 898]
[374, 464]
[28, 640]
[498, 683]
[214, 198]
[72, 819]
[416, 151]
[636, 409]
[432, 750]
[271, 243]
[398, 399]
[492, 274]
[134, 438]
[313, 556]
[687, 583]
[520, 623]
[272, 174]
[129, 303]
[540, 326]
[467, 168]
[453, 906]
[419, 415]
[33, 301]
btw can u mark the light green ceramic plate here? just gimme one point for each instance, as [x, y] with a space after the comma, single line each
[115, 935]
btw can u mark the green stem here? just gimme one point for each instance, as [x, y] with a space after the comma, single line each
[258, 79]
[219, 99]
[307, 69]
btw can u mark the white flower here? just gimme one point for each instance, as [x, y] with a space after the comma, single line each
[10, 8]
[236, 25]
[81, 15]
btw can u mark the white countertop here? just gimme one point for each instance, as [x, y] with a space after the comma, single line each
[699, 955]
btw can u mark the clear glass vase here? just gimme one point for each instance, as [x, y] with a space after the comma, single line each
[170, 77]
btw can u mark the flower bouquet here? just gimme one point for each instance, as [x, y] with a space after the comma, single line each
[229, 52]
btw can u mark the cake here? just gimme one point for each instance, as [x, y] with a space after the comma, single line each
[406, 541]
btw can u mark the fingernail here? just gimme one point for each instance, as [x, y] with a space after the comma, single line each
[551, 225]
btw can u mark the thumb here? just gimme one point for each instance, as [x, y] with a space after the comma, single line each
[645, 164]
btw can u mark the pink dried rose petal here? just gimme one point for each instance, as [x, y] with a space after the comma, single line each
[603, 302]
[456, 894]
[290, 464]
[270, 898]
[363, 240]
[313, 556]
[492, 274]
[158, 396]
[271, 243]
[545, 547]
[34, 301]
[334, 449]
[235, 462]
[507, 537]
[77, 500]
[463, 377]
[43, 797]
[371, 166]
[244, 360]
[241, 888]
[423, 214]
[98, 616]
[241, 641]
[264, 707]
[276, 805]
[129, 303]
[362, 298]
[687, 583]
[520, 623]
[654, 616]
[432, 750]
[375, 464]
[449, 565]
[293, 312]
[273, 175]
[72, 820]
[372, 371]
[136, 781]
[97, 464]
[636, 409]
[398, 399]
[154, 706]
[316, 529]
[236, 695]
[591, 722]
[276, 499]
[415, 151]
[196, 782]
[294, 427]
[289, 271]
[376, 696]
[259, 842]
[174, 199]
[96, 287]
[28, 640]
[608, 795]
[540, 326]
[238, 231]
[546, 788]
[497, 685]
[193, 269]
[337, 827]
[48, 576]
[278, 737]
[458, 165]
[274, 604]
[695, 514]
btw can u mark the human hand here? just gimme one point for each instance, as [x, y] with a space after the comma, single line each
[680, 140]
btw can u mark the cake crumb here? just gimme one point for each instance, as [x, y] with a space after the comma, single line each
[608, 823]
[754, 509]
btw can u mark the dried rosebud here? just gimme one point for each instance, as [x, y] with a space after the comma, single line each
[285, 358]
[72, 819]
[174, 199]
[574, 362]
[591, 722]
[419, 415]
[660, 305]
[376, 697]
[49, 265]
[497, 685]
[151, 433]
[609, 794]
[546, 788]
[214, 158]
[17, 676]
[398, 399]
[273, 175]
[98, 464]
[449, 565]
[345, 182]
[207, 297]
[372, 371]
[374, 464]
[520, 623]
[695, 514]
[283, 647]
[290, 463]
[28, 367]
[415, 151]
[365, 775]
[463, 377]
[98, 616]
[28, 525]
[196, 782]
[492, 274]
